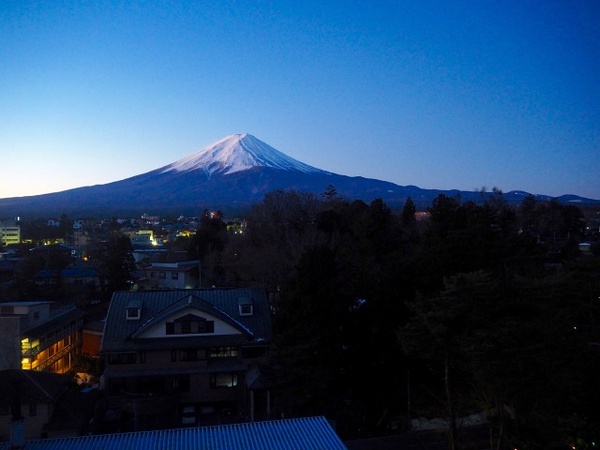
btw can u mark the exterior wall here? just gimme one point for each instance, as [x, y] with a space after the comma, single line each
[56, 355]
[32, 314]
[167, 278]
[163, 278]
[34, 424]
[159, 331]
[138, 379]
[10, 234]
[10, 344]
[90, 342]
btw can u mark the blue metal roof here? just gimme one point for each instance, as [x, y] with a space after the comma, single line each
[119, 332]
[309, 433]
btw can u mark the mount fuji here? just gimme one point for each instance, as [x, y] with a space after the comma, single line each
[229, 175]
[237, 153]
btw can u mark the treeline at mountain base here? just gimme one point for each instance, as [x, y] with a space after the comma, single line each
[485, 309]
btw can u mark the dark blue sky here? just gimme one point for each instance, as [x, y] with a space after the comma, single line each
[448, 94]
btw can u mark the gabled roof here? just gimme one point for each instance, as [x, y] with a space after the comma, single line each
[185, 302]
[32, 386]
[310, 433]
[71, 272]
[64, 317]
[121, 334]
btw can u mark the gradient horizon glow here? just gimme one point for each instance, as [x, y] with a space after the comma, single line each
[444, 95]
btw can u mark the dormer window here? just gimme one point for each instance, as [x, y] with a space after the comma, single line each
[133, 310]
[133, 313]
[246, 306]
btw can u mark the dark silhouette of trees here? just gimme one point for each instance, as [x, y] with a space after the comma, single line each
[408, 212]
[114, 259]
[208, 244]
[461, 307]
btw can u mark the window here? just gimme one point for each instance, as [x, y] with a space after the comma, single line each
[142, 357]
[223, 380]
[174, 275]
[190, 324]
[121, 358]
[245, 310]
[223, 352]
[161, 275]
[32, 409]
[133, 313]
[245, 305]
[192, 354]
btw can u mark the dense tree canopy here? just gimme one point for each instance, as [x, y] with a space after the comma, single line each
[481, 307]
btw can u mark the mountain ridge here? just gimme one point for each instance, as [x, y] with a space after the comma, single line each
[229, 175]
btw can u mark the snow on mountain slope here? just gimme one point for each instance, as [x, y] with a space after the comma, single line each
[236, 153]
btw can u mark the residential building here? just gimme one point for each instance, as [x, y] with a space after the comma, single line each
[141, 237]
[34, 336]
[80, 275]
[35, 394]
[171, 275]
[10, 233]
[189, 356]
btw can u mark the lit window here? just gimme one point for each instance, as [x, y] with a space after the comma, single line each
[223, 352]
[223, 380]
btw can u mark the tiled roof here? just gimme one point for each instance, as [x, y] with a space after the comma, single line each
[310, 433]
[33, 386]
[64, 317]
[73, 272]
[223, 303]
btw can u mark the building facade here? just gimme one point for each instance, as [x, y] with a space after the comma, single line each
[192, 356]
[171, 275]
[10, 233]
[35, 394]
[33, 336]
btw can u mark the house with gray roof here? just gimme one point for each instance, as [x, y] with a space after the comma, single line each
[188, 357]
[30, 395]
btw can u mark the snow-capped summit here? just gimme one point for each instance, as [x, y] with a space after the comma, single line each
[235, 153]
